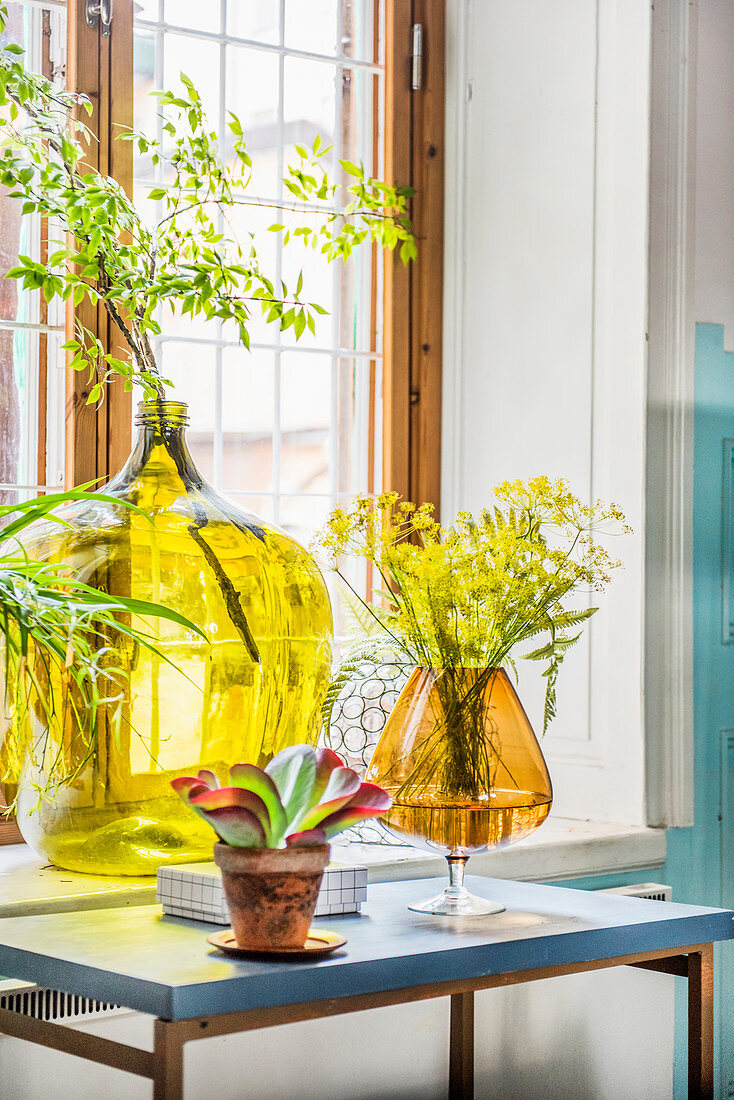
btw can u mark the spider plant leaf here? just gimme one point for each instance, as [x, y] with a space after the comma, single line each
[138, 607]
[32, 510]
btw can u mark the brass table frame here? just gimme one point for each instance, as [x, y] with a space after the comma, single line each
[164, 1065]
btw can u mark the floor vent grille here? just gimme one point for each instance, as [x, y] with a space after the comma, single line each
[653, 891]
[50, 1004]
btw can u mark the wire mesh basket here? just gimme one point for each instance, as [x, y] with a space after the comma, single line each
[357, 721]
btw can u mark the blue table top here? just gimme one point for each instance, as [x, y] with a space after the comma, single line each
[163, 965]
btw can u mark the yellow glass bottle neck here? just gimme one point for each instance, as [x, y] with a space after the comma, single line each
[160, 456]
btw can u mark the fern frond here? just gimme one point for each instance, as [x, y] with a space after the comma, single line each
[556, 645]
[559, 647]
[359, 622]
[549, 707]
[509, 661]
[573, 618]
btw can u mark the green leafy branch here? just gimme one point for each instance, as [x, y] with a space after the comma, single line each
[191, 260]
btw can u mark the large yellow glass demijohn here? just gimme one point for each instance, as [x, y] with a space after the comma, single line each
[253, 686]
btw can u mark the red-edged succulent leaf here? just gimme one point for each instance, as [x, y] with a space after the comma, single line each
[341, 788]
[254, 779]
[237, 826]
[344, 819]
[371, 796]
[306, 838]
[187, 785]
[206, 775]
[226, 798]
[293, 771]
[369, 801]
[326, 763]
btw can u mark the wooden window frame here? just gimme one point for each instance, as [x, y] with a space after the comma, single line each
[413, 304]
[98, 439]
[101, 67]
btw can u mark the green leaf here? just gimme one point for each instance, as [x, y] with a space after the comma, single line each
[293, 771]
[233, 798]
[254, 779]
[159, 611]
[235, 825]
[342, 785]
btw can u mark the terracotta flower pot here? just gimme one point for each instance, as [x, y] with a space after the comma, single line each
[271, 892]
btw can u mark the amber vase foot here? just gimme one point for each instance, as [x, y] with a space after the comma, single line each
[455, 900]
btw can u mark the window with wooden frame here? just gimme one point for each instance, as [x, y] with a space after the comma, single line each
[291, 427]
[287, 429]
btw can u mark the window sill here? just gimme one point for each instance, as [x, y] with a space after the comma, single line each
[560, 850]
[30, 886]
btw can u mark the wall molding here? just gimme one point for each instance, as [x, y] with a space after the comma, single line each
[669, 536]
[727, 544]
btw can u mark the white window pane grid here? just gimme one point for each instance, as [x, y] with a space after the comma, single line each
[292, 427]
[32, 364]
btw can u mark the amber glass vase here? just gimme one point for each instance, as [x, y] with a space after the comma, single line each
[253, 686]
[465, 771]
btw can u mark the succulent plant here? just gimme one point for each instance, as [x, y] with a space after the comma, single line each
[303, 797]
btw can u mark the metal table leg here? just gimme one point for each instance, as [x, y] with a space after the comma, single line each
[701, 1023]
[168, 1061]
[461, 1050]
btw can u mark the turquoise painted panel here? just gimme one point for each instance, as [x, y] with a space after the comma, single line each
[726, 984]
[697, 866]
[700, 862]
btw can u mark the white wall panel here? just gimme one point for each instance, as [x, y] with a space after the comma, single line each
[603, 1036]
[545, 366]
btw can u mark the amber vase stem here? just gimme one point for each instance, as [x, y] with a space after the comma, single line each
[457, 866]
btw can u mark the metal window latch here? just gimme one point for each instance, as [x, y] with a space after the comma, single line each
[99, 11]
[416, 55]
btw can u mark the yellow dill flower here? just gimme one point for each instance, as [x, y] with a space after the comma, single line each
[470, 594]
